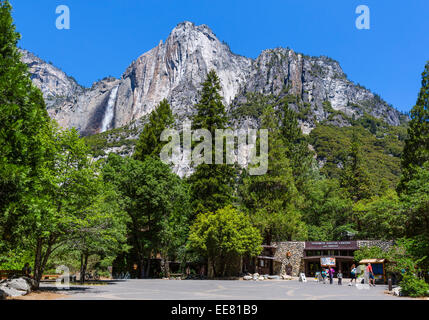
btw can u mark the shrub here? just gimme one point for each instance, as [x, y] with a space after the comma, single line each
[414, 287]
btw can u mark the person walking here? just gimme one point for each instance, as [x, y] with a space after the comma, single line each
[353, 275]
[371, 274]
[324, 275]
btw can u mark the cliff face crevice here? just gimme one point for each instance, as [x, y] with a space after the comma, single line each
[175, 69]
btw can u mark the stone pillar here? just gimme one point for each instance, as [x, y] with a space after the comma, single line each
[291, 255]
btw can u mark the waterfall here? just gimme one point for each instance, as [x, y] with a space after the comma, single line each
[110, 110]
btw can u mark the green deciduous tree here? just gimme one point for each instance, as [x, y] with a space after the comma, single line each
[24, 124]
[64, 190]
[381, 217]
[371, 253]
[411, 256]
[149, 143]
[99, 227]
[157, 202]
[327, 211]
[224, 235]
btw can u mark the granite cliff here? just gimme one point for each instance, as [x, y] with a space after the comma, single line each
[175, 70]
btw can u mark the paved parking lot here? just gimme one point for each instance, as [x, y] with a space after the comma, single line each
[223, 290]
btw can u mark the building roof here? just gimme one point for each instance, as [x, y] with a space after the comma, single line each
[364, 261]
[267, 258]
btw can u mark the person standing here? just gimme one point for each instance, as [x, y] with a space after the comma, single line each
[340, 277]
[353, 275]
[371, 274]
[331, 275]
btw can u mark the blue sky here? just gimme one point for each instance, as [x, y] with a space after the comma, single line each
[107, 35]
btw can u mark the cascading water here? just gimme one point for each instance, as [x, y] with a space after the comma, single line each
[110, 110]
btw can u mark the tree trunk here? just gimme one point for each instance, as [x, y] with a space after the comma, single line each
[210, 268]
[142, 268]
[224, 269]
[211, 264]
[166, 267]
[83, 266]
[148, 267]
[268, 238]
[41, 260]
[37, 261]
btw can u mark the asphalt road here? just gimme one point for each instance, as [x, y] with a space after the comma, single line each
[222, 290]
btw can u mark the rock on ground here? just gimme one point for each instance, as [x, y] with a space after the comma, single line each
[397, 291]
[3, 295]
[16, 287]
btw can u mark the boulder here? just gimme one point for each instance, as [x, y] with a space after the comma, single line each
[261, 278]
[3, 295]
[286, 277]
[31, 282]
[19, 284]
[397, 291]
[10, 292]
[17, 287]
[247, 278]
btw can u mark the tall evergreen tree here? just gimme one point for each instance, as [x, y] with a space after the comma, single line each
[24, 123]
[296, 148]
[211, 114]
[355, 179]
[414, 185]
[212, 185]
[149, 143]
[272, 200]
[416, 150]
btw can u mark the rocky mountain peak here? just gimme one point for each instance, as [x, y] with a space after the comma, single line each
[186, 27]
[54, 83]
[175, 69]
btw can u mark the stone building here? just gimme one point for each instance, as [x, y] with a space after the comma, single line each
[295, 257]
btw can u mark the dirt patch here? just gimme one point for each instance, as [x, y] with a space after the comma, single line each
[40, 295]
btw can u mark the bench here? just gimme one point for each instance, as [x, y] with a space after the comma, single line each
[50, 276]
[6, 274]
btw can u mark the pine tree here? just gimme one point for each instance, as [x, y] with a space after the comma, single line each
[296, 148]
[212, 185]
[414, 185]
[416, 150]
[149, 143]
[23, 125]
[355, 179]
[273, 200]
[211, 114]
